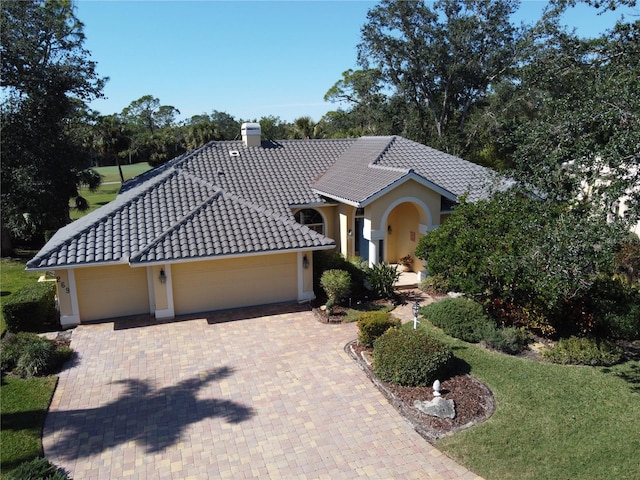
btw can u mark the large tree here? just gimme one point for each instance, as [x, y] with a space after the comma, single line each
[440, 61]
[533, 262]
[582, 142]
[155, 136]
[46, 76]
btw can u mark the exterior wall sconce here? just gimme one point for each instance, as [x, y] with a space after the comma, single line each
[163, 276]
[389, 230]
[350, 233]
[305, 261]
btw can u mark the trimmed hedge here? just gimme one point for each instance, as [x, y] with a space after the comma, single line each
[458, 317]
[409, 357]
[584, 351]
[372, 325]
[30, 308]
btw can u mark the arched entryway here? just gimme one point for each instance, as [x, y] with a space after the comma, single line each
[403, 223]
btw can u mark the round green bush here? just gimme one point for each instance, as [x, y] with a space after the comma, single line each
[409, 357]
[458, 317]
[336, 284]
[584, 351]
[371, 325]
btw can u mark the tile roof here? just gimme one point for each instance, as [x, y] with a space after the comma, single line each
[383, 161]
[228, 199]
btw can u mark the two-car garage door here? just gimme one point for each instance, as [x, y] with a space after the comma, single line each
[119, 290]
[230, 283]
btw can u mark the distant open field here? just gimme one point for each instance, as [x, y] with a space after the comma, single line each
[110, 186]
[110, 174]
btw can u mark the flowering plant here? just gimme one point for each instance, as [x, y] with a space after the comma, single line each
[406, 260]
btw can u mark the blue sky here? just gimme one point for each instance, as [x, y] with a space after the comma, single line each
[246, 58]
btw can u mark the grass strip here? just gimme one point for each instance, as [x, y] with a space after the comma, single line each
[552, 421]
[23, 407]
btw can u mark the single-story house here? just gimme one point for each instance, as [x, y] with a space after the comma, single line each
[235, 223]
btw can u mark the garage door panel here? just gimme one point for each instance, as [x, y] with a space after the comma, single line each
[111, 292]
[221, 284]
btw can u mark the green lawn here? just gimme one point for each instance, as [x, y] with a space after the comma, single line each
[108, 190]
[110, 174]
[23, 407]
[12, 278]
[552, 421]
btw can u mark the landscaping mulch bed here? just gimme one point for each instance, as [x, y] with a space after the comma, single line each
[474, 402]
[340, 311]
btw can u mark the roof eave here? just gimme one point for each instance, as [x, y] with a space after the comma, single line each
[410, 175]
[136, 264]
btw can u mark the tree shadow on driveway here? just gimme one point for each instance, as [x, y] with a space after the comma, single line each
[154, 419]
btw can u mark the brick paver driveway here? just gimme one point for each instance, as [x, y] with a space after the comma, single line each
[269, 396]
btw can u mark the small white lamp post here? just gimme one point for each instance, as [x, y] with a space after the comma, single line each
[416, 310]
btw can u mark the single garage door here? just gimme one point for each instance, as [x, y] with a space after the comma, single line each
[112, 291]
[230, 283]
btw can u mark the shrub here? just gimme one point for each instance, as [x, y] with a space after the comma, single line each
[409, 357]
[458, 317]
[372, 325]
[624, 326]
[30, 308]
[37, 469]
[36, 358]
[336, 284]
[509, 340]
[382, 277]
[434, 284]
[584, 351]
[28, 354]
[324, 260]
[617, 308]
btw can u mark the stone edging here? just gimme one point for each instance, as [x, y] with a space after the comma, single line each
[408, 414]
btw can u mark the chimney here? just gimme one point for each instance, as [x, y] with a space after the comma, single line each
[251, 133]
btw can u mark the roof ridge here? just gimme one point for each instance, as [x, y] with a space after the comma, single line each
[159, 170]
[263, 210]
[176, 225]
[391, 140]
[219, 192]
[107, 211]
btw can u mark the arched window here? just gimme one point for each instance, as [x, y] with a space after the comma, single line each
[310, 218]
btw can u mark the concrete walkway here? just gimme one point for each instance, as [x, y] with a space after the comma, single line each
[270, 394]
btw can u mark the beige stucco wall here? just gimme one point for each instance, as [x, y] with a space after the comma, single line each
[161, 299]
[111, 291]
[64, 293]
[344, 242]
[307, 275]
[409, 189]
[230, 283]
[403, 239]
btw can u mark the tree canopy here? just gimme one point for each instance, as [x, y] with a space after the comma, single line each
[532, 262]
[46, 77]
